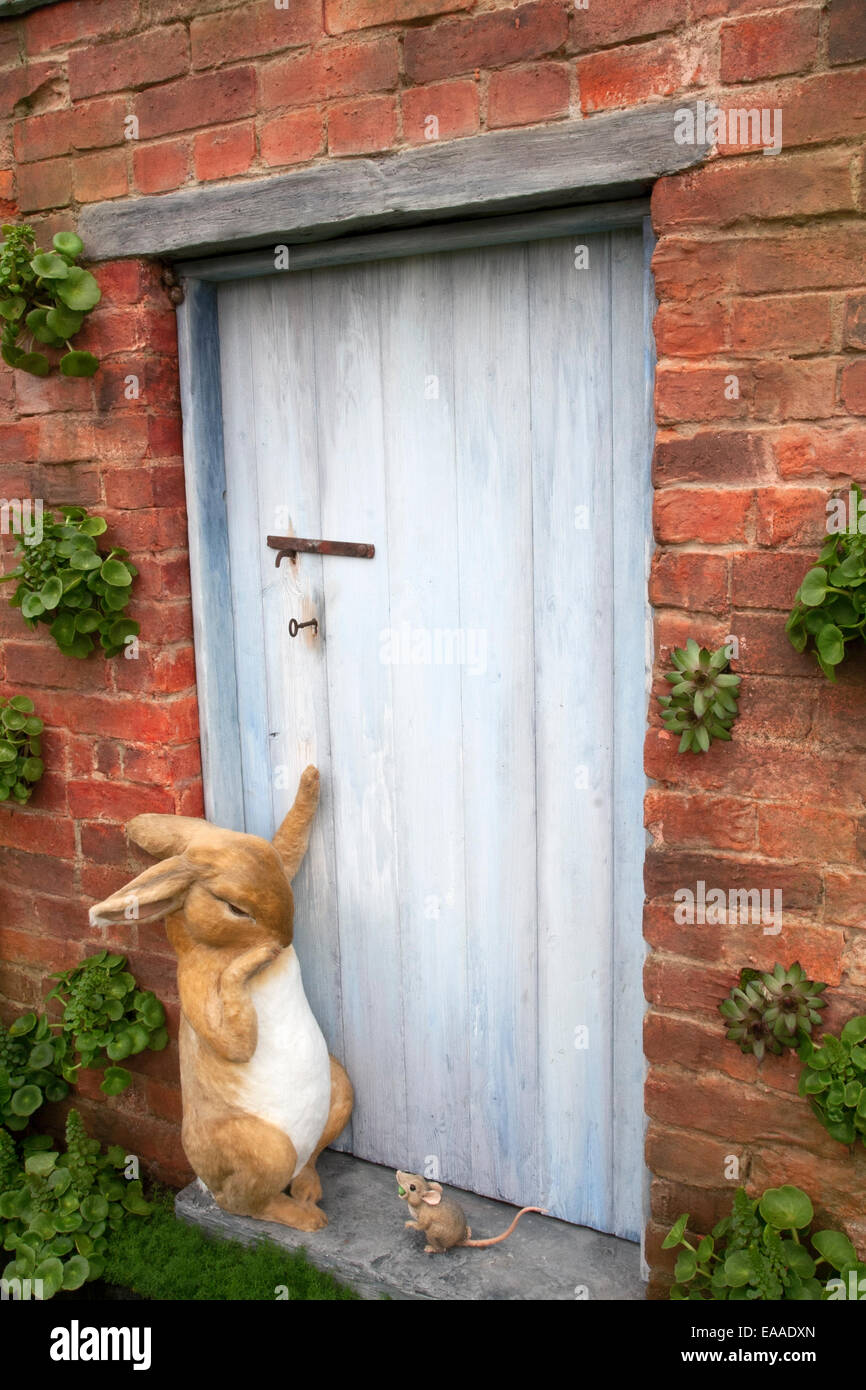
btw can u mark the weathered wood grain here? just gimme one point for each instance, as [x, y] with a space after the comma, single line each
[597, 158]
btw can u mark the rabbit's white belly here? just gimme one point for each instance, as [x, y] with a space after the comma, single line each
[288, 1079]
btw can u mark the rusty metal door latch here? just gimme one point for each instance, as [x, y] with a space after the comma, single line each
[295, 626]
[290, 545]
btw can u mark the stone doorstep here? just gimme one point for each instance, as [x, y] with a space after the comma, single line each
[366, 1245]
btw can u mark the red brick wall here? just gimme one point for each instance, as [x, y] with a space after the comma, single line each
[760, 271]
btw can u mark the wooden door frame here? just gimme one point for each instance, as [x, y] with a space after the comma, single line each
[576, 176]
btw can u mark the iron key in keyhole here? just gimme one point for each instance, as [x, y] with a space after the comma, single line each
[295, 626]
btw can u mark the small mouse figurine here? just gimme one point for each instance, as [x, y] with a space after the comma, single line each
[440, 1217]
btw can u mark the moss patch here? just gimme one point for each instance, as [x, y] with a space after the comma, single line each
[162, 1258]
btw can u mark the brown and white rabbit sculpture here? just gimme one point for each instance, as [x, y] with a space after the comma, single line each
[261, 1096]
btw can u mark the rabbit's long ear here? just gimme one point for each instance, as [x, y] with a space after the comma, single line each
[159, 890]
[293, 836]
[163, 835]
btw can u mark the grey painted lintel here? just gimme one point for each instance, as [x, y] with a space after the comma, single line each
[605, 157]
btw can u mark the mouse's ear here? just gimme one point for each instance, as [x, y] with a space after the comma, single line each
[434, 1196]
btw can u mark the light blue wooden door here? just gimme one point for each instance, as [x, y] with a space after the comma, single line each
[468, 917]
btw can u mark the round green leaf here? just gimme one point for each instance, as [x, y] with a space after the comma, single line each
[835, 1247]
[84, 559]
[93, 526]
[87, 620]
[32, 769]
[51, 592]
[26, 1100]
[854, 1031]
[50, 1271]
[114, 572]
[37, 322]
[75, 1272]
[686, 1266]
[64, 322]
[13, 307]
[831, 644]
[78, 290]
[42, 1055]
[94, 1208]
[120, 1047]
[116, 1079]
[24, 1024]
[79, 364]
[22, 703]
[36, 363]
[813, 589]
[738, 1269]
[798, 1259]
[48, 266]
[786, 1208]
[68, 243]
[8, 751]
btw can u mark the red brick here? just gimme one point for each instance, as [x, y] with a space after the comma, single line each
[810, 778]
[339, 70]
[699, 393]
[90, 125]
[721, 822]
[853, 388]
[165, 1101]
[260, 30]
[847, 32]
[598, 26]
[628, 76]
[45, 873]
[691, 330]
[66, 24]
[826, 106]
[782, 186]
[294, 138]
[768, 45]
[362, 127]
[206, 99]
[224, 151]
[43, 663]
[165, 436]
[724, 1107]
[800, 260]
[490, 40]
[158, 168]
[63, 438]
[667, 870]
[786, 390]
[685, 268]
[729, 456]
[134, 720]
[103, 844]
[690, 577]
[38, 395]
[762, 580]
[100, 176]
[93, 799]
[527, 96]
[791, 516]
[344, 15]
[677, 1153]
[712, 516]
[809, 451]
[28, 83]
[22, 828]
[801, 323]
[454, 104]
[137, 62]
[44, 185]
[829, 839]
[26, 949]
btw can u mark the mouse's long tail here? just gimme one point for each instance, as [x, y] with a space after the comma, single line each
[494, 1240]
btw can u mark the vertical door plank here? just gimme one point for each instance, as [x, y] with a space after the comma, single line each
[491, 356]
[423, 648]
[632, 448]
[283, 351]
[239, 306]
[571, 469]
[353, 505]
